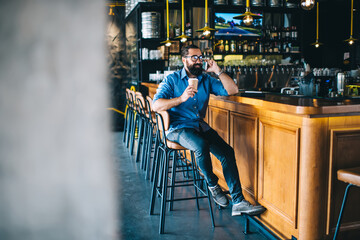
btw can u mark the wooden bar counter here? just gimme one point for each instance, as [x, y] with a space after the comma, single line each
[288, 150]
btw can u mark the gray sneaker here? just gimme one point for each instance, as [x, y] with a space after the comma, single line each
[219, 196]
[244, 207]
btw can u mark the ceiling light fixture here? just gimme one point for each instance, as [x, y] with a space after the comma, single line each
[248, 17]
[167, 42]
[206, 29]
[317, 43]
[183, 37]
[307, 4]
[351, 40]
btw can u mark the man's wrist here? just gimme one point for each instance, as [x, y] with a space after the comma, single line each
[219, 73]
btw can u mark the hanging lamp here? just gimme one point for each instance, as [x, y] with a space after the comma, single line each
[307, 4]
[167, 42]
[317, 43]
[206, 29]
[183, 37]
[248, 17]
[351, 40]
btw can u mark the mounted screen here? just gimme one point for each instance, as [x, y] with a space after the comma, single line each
[226, 27]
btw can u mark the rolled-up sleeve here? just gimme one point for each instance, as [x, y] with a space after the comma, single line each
[165, 89]
[217, 88]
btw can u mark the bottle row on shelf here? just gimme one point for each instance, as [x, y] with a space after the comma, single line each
[257, 3]
[254, 47]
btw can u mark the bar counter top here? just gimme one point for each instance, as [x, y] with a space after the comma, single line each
[295, 104]
[292, 104]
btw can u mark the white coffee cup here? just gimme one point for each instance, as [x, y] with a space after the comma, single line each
[193, 82]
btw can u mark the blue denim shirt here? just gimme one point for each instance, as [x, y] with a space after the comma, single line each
[189, 114]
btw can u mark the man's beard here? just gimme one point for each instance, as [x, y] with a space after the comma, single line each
[195, 70]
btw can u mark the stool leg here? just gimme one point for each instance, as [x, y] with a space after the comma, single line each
[156, 149]
[164, 193]
[129, 127]
[125, 122]
[341, 211]
[210, 206]
[157, 171]
[194, 177]
[136, 123]
[148, 150]
[173, 177]
[144, 144]
[140, 135]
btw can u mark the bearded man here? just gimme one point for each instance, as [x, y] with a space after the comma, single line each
[187, 106]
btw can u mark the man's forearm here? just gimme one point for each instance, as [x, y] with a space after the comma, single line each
[228, 84]
[165, 104]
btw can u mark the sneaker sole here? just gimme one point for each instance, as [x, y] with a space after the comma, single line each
[250, 212]
[221, 205]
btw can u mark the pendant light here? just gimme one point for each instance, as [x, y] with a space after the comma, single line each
[351, 40]
[317, 43]
[248, 17]
[206, 30]
[167, 42]
[307, 4]
[183, 37]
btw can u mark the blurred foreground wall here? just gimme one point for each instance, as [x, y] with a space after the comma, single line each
[56, 174]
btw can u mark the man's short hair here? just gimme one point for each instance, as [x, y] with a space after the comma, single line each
[185, 49]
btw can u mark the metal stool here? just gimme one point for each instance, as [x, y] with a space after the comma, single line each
[142, 127]
[162, 179]
[352, 177]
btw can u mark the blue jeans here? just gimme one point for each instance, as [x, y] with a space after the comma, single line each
[202, 143]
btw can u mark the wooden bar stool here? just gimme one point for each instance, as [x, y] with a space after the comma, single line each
[168, 151]
[352, 177]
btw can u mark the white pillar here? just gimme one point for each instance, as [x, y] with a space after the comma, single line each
[56, 173]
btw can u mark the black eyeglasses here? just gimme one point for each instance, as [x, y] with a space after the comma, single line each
[194, 58]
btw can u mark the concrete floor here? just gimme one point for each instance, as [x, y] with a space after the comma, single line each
[185, 222]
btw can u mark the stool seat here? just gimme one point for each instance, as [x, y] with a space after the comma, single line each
[174, 145]
[352, 177]
[349, 175]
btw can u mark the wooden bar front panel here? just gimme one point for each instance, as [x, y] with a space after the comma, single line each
[219, 121]
[243, 138]
[279, 166]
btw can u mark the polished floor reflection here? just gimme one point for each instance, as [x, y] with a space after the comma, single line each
[185, 222]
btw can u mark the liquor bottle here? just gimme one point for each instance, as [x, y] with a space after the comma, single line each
[226, 46]
[267, 33]
[171, 31]
[295, 34]
[221, 46]
[276, 49]
[283, 33]
[261, 47]
[188, 30]
[287, 48]
[232, 46]
[252, 47]
[245, 47]
[177, 30]
[239, 47]
[287, 35]
[271, 48]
